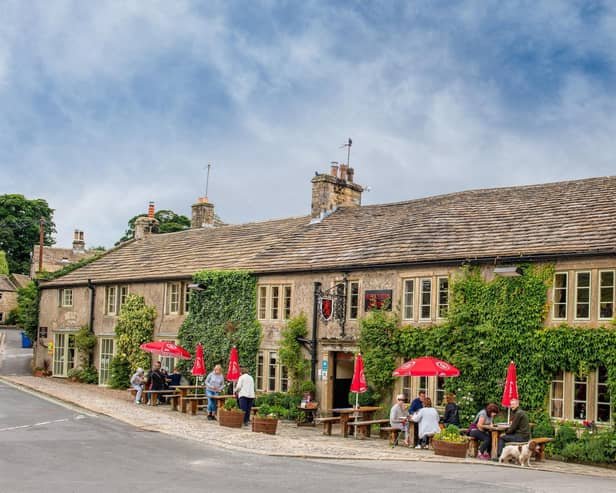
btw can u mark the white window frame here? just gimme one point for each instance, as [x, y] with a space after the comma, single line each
[421, 298]
[274, 301]
[260, 375]
[123, 293]
[66, 297]
[408, 305]
[439, 306]
[274, 313]
[577, 380]
[104, 360]
[186, 297]
[560, 289]
[111, 300]
[597, 402]
[287, 297]
[173, 297]
[272, 371]
[577, 289]
[553, 399]
[64, 354]
[353, 300]
[600, 302]
[168, 362]
[262, 302]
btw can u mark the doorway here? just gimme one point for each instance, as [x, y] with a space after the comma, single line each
[343, 375]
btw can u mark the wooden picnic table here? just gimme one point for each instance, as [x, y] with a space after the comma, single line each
[348, 413]
[496, 431]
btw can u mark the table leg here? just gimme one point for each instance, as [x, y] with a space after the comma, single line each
[344, 419]
[494, 450]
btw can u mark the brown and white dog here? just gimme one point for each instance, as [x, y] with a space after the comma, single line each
[521, 453]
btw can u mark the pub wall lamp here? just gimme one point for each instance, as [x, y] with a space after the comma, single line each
[197, 286]
[508, 271]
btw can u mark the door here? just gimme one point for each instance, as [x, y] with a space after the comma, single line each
[343, 375]
[106, 353]
[63, 354]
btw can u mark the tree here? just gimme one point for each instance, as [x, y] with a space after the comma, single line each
[19, 229]
[4, 266]
[27, 309]
[168, 221]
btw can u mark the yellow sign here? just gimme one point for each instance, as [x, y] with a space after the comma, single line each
[50, 348]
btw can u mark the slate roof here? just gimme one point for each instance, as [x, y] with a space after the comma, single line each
[6, 284]
[554, 219]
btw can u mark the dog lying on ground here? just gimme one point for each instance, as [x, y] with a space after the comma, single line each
[518, 453]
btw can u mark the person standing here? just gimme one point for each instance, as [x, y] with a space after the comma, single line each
[214, 383]
[245, 391]
[519, 429]
[451, 416]
[416, 405]
[398, 418]
[137, 383]
[428, 419]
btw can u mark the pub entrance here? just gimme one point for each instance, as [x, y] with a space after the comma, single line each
[343, 375]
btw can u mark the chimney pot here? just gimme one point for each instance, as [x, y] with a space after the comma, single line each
[343, 172]
[334, 169]
[350, 173]
[151, 210]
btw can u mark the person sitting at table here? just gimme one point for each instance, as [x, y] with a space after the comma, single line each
[451, 416]
[480, 429]
[398, 418]
[165, 375]
[428, 419]
[214, 383]
[416, 405]
[174, 379]
[519, 429]
[156, 379]
[137, 383]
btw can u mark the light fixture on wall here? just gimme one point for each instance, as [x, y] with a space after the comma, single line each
[197, 286]
[508, 271]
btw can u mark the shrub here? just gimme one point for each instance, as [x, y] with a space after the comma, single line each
[368, 398]
[119, 370]
[543, 427]
[565, 435]
[284, 405]
[591, 447]
[89, 375]
[231, 404]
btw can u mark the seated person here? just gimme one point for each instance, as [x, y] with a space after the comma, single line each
[480, 429]
[174, 378]
[428, 419]
[398, 418]
[519, 429]
[451, 416]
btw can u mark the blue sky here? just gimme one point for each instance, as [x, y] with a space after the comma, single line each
[107, 105]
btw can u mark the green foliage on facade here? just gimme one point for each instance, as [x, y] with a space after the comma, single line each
[19, 229]
[489, 324]
[85, 342]
[292, 354]
[221, 316]
[4, 265]
[27, 309]
[135, 326]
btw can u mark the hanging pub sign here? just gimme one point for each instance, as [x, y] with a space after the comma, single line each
[326, 308]
[378, 299]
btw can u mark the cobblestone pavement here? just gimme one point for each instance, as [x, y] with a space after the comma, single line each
[290, 440]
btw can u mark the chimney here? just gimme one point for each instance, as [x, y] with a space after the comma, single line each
[202, 214]
[330, 192]
[334, 169]
[79, 245]
[145, 225]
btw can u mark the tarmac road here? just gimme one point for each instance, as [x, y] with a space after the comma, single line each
[14, 360]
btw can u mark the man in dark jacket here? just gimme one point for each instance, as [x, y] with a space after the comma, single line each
[156, 379]
[519, 429]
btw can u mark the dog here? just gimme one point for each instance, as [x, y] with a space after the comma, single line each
[520, 453]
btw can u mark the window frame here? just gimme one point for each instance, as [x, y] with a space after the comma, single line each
[111, 308]
[274, 301]
[561, 399]
[104, 372]
[575, 381]
[406, 293]
[588, 288]
[600, 287]
[353, 300]
[439, 313]
[172, 299]
[421, 299]
[66, 297]
[564, 290]
[603, 403]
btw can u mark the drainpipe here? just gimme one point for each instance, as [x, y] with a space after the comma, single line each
[92, 289]
[315, 324]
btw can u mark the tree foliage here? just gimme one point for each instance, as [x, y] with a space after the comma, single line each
[135, 326]
[27, 309]
[19, 229]
[221, 316]
[169, 222]
[4, 265]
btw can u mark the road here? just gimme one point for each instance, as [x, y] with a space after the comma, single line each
[50, 446]
[13, 359]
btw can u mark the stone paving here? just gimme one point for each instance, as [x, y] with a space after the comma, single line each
[291, 441]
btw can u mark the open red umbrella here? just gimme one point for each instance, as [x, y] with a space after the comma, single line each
[165, 348]
[198, 368]
[233, 373]
[511, 387]
[426, 366]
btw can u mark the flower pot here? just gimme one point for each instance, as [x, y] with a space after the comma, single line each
[450, 449]
[231, 419]
[265, 425]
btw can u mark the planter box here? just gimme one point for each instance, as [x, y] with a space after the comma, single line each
[230, 419]
[265, 425]
[450, 449]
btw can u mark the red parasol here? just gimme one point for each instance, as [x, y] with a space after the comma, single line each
[511, 386]
[165, 348]
[426, 366]
[199, 366]
[233, 372]
[358, 385]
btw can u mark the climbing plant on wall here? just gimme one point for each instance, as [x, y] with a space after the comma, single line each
[292, 353]
[489, 324]
[135, 326]
[221, 315]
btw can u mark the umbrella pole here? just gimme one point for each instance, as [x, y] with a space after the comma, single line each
[508, 415]
[356, 415]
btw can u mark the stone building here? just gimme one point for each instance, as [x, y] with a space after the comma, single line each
[55, 258]
[344, 258]
[8, 293]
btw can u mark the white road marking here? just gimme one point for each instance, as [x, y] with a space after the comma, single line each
[42, 423]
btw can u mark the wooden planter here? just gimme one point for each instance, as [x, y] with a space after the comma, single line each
[265, 425]
[231, 419]
[450, 449]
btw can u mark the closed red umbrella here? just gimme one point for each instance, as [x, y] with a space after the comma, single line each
[511, 386]
[358, 384]
[426, 366]
[233, 373]
[165, 348]
[198, 368]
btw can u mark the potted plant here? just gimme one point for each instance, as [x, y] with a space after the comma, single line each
[450, 442]
[266, 420]
[308, 389]
[230, 415]
[74, 374]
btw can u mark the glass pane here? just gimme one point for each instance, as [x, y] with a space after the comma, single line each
[408, 299]
[579, 410]
[603, 413]
[557, 390]
[557, 409]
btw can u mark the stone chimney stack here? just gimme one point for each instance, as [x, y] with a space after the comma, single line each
[146, 225]
[79, 244]
[202, 214]
[330, 191]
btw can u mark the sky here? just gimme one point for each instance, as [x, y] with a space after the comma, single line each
[107, 105]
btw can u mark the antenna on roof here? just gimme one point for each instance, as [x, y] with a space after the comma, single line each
[207, 179]
[348, 146]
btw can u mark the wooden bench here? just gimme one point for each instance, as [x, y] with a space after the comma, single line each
[327, 424]
[472, 447]
[194, 401]
[154, 395]
[390, 432]
[363, 427]
[132, 394]
[174, 399]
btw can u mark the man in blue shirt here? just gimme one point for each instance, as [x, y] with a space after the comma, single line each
[415, 406]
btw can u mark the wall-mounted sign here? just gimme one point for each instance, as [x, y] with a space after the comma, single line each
[42, 332]
[378, 299]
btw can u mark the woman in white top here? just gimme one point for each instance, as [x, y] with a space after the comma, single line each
[428, 420]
